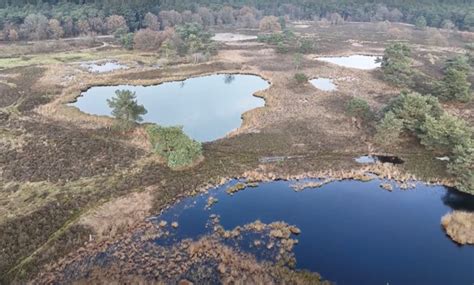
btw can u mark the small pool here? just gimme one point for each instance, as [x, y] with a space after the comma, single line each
[352, 232]
[208, 107]
[103, 67]
[364, 62]
[370, 159]
[324, 84]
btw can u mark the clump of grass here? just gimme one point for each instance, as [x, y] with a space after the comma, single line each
[459, 226]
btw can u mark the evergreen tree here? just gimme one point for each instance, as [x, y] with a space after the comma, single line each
[126, 109]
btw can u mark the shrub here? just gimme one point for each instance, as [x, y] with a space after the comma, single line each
[462, 167]
[306, 46]
[396, 64]
[444, 133]
[389, 129]
[301, 78]
[413, 108]
[420, 23]
[126, 41]
[359, 108]
[172, 144]
[437, 130]
[455, 85]
[126, 109]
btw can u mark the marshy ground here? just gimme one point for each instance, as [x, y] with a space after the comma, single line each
[67, 178]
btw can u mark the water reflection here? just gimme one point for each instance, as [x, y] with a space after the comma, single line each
[351, 232]
[208, 107]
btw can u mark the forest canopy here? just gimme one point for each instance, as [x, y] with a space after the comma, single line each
[66, 18]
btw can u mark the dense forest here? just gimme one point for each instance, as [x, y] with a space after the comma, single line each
[41, 19]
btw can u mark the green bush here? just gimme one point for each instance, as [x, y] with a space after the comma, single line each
[412, 109]
[174, 145]
[395, 64]
[462, 167]
[420, 23]
[301, 78]
[389, 129]
[359, 108]
[437, 130]
[444, 133]
[455, 85]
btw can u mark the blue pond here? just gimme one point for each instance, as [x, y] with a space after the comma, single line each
[352, 232]
[207, 107]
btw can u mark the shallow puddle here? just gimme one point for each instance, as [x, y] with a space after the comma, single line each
[370, 159]
[103, 67]
[207, 107]
[324, 84]
[230, 37]
[364, 62]
[352, 232]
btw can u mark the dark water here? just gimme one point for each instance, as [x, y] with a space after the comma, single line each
[208, 107]
[370, 159]
[351, 232]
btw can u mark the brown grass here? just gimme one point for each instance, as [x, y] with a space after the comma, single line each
[459, 226]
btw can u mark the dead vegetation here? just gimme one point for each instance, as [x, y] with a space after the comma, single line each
[459, 226]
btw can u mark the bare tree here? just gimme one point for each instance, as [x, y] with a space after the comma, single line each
[83, 27]
[151, 22]
[35, 27]
[170, 18]
[148, 39]
[226, 16]
[55, 30]
[115, 23]
[97, 25]
[336, 19]
[206, 16]
[270, 24]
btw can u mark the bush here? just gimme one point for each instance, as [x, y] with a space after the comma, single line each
[455, 85]
[301, 78]
[413, 108]
[437, 130]
[462, 167]
[127, 41]
[420, 23]
[396, 64]
[174, 145]
[444, 133]
[359, 108]
[389, 129]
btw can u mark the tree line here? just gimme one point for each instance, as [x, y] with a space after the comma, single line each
[42, 19]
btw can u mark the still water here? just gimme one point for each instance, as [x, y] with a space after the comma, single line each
[103, 67]
[208, 107]
[352, 232]
[324, 84]
[364, 62]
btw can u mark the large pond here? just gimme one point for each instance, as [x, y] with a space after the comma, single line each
[364, 62]
[207, 107]
[352, 232]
